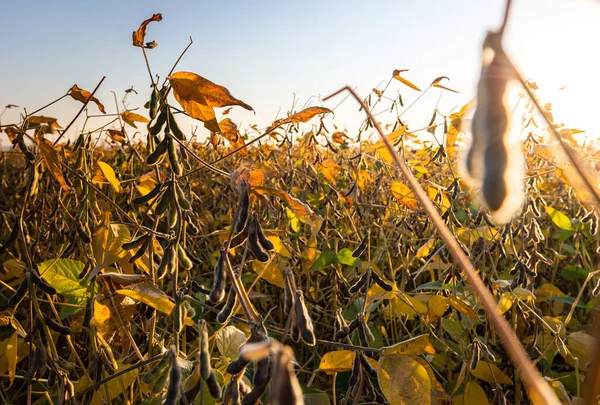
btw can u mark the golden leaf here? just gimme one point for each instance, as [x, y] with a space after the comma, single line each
[82, 95]
[436, 83]
[489, 372]
[417, 345]
[463, 307]
[338, 361]
[269, 272]
[381, 149]
[52, 161]
[12, 357]
[473, 394]
[329, 169]
[456, 123]
[403, 380]
[110, 175]
[396, 75]
[404, 195]
[131, 118]
[303, 116]
[424, 250]
[140, 34]
[437, 306]
[197, 96]
[116, 135]
[506, 302]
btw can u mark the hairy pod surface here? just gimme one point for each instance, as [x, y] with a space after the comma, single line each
[220, 277]
[303, 320]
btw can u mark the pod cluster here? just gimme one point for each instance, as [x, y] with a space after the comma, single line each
[203, 370]
[262, 370]
[245, 227]
[494, 161]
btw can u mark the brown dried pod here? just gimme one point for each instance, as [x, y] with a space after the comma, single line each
[494, 160]
[366, 365]
[205, 367]
[47, 288]
[361, 246]
[383, 284]
[158, 153]
[354, 288]
[19, 293]
[262, 238]
[220, 277]
[355, 371]
[238, 239]
[174, 381]
[213, 386]
[289, 290]
[303, 320]
[346, 331]
[243, 208]
[285, 388]
[173, 158]
[225, 312]
[255, 246]
[147, 197]
[55, 326]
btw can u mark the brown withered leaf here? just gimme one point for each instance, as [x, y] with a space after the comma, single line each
[52, 161]
[140, 34]
[396, 75]
[230, 132]
[378, 92]
[339, 137]
[131, 118]
[303, 116]
[197, 96]
[82, 95]
[116, 135]
[436, 83]
[304, 212]
[11, 132]
[37, 120]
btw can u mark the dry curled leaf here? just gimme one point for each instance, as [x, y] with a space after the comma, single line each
[52, 161]
[131, 118]
[82, 95]
[436, 83]
[303, 116]
[197, 96]
[140, 34]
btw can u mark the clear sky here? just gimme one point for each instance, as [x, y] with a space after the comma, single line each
[267, 51]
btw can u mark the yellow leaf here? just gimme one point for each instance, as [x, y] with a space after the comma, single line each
[523, 294]
[110, 175]
[116, 386]
[547, 291]
[303, 116]
[337, 361]
[12, 357]
[106, 319]
[417, 345]
[506, 302]
[489, 372]
[404, 195]
[149, 295]
[52, 161]
[381, 149]
[473, 394]
[396, 75]
[330, 169]
[198, 96]
[437, 306]
[269, 272]
[279, 247]
[131, 118]
[82, 95]
[140, 34]
[581, 346]
[403, 380]
[424, 250]
[229, 339]
[559, 219]
[463, 307]
[403, 304]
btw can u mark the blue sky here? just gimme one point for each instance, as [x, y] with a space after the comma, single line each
[267, 51]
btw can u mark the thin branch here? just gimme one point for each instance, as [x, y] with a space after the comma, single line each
[537, 386]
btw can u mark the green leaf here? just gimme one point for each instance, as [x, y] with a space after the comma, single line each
[568, 300]
[344, 256]
[63, 275]
[559, 219]
[573, 272]
[435, 285]
[325, 259]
